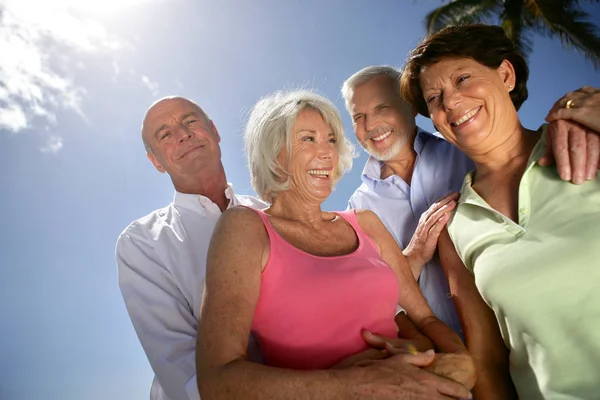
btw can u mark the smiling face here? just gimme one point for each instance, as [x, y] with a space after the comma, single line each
[470, 103]
[313, 158]
[181, 139]
[383, 122]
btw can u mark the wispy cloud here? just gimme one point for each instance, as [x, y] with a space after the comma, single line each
[53, 144]
[152, 86]
[36, 72]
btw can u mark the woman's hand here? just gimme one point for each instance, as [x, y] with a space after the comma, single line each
[424, 241]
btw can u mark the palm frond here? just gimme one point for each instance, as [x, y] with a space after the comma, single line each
[459, 11]
[574, 29]
[514, 19]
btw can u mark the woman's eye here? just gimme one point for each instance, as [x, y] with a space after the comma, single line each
[308, 139]
[431, 99]
[333, 140]
[463, 78]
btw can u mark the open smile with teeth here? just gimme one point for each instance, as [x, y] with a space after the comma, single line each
[381, 137]
[465, 117]
[321, 173]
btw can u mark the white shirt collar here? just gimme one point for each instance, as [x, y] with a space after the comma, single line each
[198, 202]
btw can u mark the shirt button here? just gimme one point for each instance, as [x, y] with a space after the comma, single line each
[449, 295]
[522, 210]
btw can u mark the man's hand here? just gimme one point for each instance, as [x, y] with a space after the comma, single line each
[424, 241]
[584, 108]
[402, 377]
[573, 140]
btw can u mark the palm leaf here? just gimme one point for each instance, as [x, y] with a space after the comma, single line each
[515, 20]
[573, 27]
[459, 11]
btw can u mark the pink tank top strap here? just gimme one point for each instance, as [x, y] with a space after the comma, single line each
[350, 217]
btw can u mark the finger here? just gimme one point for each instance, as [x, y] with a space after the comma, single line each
[593, 155]
[560, 113]
[361, 359]
[406, 347]
[436, 230]
[454, 389]
[442, 213]
[588, 90]
[577, 153]
[373, 340]
[421, 359]
[560, 146]
[548, 157]
[439, 204]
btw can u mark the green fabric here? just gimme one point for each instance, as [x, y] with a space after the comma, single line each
[541, 277]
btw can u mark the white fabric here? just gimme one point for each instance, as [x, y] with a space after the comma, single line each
[161, 260]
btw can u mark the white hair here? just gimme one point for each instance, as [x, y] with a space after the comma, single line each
[202, 112]
[365, 75]
[269, 128]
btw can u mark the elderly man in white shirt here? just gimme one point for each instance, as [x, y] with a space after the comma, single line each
[162, 257]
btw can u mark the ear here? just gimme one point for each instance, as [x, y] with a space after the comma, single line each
[155, 162]
[507, 74]
[215, 131]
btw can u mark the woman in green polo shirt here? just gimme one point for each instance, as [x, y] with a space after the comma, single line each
[528, 297]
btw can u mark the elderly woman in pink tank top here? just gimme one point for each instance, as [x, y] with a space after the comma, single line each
[308, 284]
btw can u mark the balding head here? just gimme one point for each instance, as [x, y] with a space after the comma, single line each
[159, 105]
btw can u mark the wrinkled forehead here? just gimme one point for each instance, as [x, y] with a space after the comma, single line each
[167, 111]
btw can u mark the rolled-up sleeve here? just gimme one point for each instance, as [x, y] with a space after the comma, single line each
[161, 316]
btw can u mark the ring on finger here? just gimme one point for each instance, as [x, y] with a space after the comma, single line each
[570, 103]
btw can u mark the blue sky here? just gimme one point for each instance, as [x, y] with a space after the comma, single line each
[75, 80]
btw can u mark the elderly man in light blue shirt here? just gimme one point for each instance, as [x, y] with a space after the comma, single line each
[410, 169]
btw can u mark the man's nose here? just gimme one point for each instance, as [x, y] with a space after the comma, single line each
[183, 133]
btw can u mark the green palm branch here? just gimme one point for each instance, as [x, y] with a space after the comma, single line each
[562, 19]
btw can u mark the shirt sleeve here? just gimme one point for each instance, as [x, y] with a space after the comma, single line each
[351, 204]
[160, 314]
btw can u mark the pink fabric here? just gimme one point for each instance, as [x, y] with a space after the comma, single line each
[311, 310]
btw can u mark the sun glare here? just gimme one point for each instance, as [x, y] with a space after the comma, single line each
[84, 7]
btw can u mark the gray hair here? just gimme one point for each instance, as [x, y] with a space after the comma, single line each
[365, 75]
[269, 128]
[202, 112]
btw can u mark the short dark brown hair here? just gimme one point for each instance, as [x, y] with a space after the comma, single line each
[486, 44]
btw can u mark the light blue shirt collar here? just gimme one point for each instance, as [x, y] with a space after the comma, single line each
[371, 175]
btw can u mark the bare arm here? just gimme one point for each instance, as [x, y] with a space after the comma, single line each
[233, 278]
[480, 327]
[410, 298]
